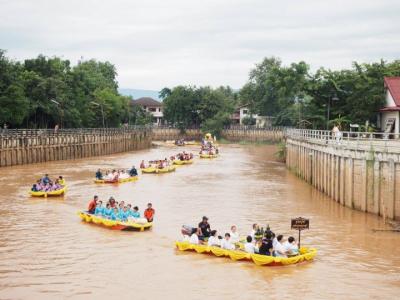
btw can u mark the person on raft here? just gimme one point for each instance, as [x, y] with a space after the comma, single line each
[149, 212]
[227, 243]
[99, 175]
[92, 205]
[45, 179]
[133, 171]
[249, 246]
[205, 227]
[290, 246]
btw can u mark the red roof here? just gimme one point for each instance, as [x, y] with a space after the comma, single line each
[394, 108]
[393, 85]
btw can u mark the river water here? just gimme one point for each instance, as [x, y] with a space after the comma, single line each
[46, 252]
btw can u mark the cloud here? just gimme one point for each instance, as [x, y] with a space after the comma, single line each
[165, 43]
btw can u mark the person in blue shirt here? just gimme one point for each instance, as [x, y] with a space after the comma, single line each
[106, 211]
[99, 209]
[135, 213]
[99, 175]
[114, 214]
[133, 172]
[46, 179]
[122, 215]
[129, 211]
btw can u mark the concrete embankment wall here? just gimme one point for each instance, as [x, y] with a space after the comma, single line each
[26, 147]
[165, 134]
[234, 135]
[253, 135]
[364, 180]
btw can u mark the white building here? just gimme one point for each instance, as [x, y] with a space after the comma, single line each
[240, 113]
[390, 113]
[243, 111]
[152, 106]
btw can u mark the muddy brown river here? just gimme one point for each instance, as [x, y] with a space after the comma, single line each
[46, 252]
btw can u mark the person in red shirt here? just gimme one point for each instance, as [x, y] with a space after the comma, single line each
[149, 212]
[92, 205]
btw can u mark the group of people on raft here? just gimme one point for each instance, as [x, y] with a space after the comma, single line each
[120, 211]
[209, 149]
[159, 164]
[182, 156]
[258, 241]
[45, 184]
[114, 175]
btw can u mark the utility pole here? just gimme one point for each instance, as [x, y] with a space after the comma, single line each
[102, 111]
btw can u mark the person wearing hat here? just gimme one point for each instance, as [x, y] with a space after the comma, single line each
[205, 227]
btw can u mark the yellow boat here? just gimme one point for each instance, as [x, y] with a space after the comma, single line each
[182, 162]
[112, 224]
[166, 169]
[157, 170]
[306, 254]
[208, 155]
[55, 193]
[120, 180]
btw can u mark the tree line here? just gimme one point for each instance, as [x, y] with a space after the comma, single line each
[292, 95]
[42, 92]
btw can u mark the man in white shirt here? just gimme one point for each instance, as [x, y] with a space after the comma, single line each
[226, 243]
[290, 246]
[249, 247]
[279, 250]
[213, 239]
[234, 235]
[194, 238]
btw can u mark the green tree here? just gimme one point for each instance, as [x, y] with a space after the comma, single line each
[14, 104]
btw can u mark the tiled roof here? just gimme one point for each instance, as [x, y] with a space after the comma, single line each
[393, 85]
[146, 101]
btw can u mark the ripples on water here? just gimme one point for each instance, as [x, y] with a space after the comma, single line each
[47, 253]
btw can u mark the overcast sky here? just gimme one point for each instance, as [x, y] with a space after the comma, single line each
[200, 42]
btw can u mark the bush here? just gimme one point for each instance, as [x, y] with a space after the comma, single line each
[249, 121]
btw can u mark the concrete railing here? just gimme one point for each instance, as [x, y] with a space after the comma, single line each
[377, 141]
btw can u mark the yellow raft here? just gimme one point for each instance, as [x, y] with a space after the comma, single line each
[55, 193]
[182, 162]
[114, 225]
[208, 155]
[158, 171]
[306, 254]
[130, 179]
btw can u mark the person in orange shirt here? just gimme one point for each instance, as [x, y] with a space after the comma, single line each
[149, 212]
[92, 205]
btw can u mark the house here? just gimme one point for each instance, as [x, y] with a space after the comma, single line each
[152, 106]
[240, 113]
[390, 113]
[243, 111]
